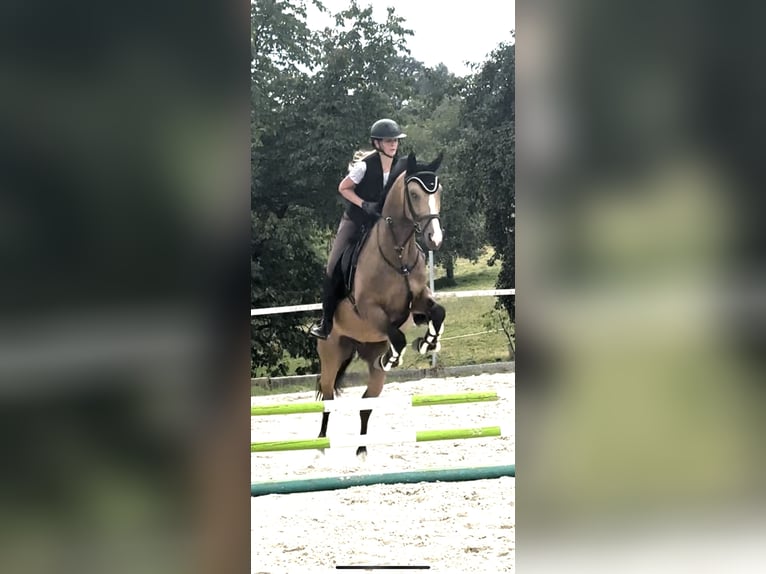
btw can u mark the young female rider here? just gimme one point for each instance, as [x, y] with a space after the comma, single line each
[363, 189]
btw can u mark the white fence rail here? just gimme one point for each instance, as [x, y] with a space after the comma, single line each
[437, 295]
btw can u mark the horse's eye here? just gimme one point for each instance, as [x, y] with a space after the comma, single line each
[414, 195]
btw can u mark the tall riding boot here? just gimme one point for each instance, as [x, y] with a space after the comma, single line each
[322, 329]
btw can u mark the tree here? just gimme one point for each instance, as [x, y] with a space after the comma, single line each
[487, 157]
[462, 221]
[351, 85]
[285, 263]
[282, 47]
[284, 270]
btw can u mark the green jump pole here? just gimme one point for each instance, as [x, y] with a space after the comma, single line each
[448, 434]
[420, 436]
[453, 399]
[287, 409]
[274, 446]
[417, 401]
[340, 482]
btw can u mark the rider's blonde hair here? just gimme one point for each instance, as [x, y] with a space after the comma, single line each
[361, 154]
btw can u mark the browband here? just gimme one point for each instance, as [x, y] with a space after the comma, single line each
[428, 180]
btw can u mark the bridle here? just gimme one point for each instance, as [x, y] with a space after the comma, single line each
[429, 181]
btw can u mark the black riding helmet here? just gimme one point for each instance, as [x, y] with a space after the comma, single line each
[386, 128]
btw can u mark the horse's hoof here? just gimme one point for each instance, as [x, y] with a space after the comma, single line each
[361, 452]
[420, 345]
[390, 363]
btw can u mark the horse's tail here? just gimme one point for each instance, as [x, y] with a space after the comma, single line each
[341, 373]
[338, 384]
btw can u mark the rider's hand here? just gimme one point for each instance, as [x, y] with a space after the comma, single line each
[371, 207]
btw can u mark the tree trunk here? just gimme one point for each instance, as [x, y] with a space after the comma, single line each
[450, 269]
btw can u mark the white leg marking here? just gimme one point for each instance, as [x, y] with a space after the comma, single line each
[431, 340]
[394, 359]
[401, 357]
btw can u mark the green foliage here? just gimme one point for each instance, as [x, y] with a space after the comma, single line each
[285, 264]
[331, 111]
[285, 268]
[434, 127]
[497, 319]
[487, 157]
[282, 46]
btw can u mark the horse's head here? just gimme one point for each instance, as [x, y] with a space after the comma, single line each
[422, 192]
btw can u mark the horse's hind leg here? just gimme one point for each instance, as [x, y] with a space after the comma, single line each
[430, 342]
[374, 386]
[334, 356]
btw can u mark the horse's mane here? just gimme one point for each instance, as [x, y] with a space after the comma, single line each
[399, 167]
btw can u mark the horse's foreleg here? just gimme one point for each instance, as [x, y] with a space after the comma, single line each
[397, 342]
[430, 343]
[397, 345]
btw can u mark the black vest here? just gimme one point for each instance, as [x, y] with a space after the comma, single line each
[369, 189]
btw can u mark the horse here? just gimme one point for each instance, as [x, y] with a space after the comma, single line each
[390, 289]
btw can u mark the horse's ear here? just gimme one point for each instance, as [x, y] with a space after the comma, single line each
[412, 164]
[434, 165]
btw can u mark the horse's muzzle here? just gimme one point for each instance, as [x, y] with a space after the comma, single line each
[432, 234]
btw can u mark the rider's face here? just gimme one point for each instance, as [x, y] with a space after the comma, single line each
[389, 145]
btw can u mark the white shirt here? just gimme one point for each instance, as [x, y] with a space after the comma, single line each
[357, 171]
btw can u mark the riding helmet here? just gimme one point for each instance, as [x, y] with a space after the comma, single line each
[386, 128]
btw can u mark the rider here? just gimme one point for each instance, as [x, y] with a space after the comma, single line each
[363, 189]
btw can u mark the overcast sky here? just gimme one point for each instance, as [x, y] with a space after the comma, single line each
[445, 32]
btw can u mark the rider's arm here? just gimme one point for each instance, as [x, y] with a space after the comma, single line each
[348, 184]
[346, 189]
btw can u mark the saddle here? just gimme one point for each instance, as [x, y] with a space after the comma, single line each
[350, 258]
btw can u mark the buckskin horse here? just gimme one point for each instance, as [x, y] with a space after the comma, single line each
[390, 288]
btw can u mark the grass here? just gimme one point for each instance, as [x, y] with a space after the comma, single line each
[468, 276]
[466, 340]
